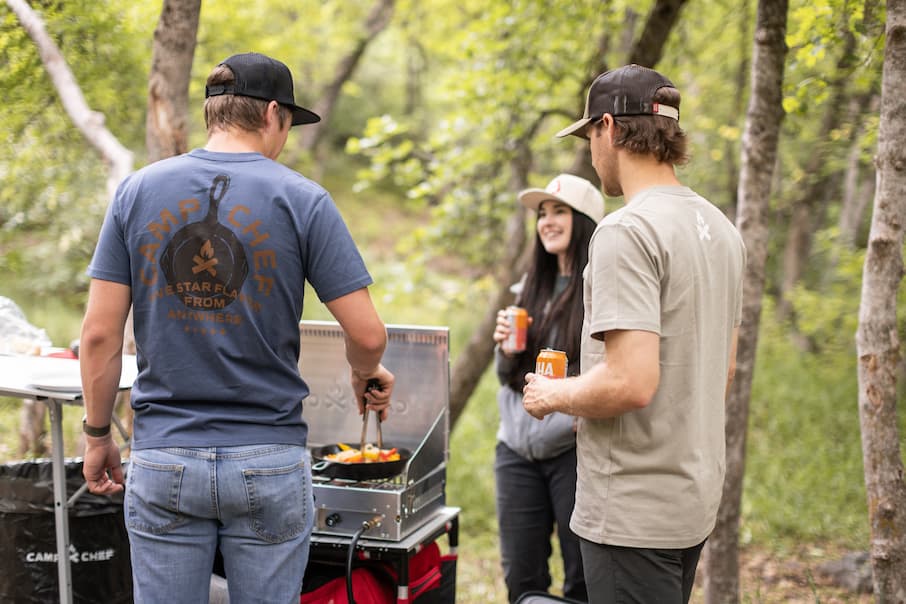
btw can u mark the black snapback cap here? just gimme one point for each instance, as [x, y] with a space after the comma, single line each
[261, 77]
[628, 90]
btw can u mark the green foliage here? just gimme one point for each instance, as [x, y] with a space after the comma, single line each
[829, 316]
[51, 180]
[311, 37]
[444, 103]
[804, 474]
[490, 101]
[471, 472]
[804, 464]
[831, 41]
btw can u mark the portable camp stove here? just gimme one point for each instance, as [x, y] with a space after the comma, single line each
[418, 421]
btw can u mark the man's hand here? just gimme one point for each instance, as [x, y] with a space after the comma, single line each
[373, 390]
[542, 396]
[101, 455]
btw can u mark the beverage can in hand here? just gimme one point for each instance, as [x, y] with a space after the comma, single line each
[519, 321]
[551, 363]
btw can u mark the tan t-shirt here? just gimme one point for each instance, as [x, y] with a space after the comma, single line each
[671, 263]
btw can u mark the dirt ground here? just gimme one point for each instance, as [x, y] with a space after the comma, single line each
[765, 577]
[795, 578]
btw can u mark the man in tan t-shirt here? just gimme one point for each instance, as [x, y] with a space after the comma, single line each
[663, 294]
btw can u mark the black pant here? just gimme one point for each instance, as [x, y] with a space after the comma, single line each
[534, 498]
[630, 575]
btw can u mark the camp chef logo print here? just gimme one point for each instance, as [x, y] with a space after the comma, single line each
[206, 258]
[205, 263]
[75, 556]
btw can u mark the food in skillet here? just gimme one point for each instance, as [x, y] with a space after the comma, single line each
[371, 454]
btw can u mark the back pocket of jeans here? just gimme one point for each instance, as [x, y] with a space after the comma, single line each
[277, 501]
[152, 496]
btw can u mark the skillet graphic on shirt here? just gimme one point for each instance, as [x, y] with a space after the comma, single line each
[206, 257]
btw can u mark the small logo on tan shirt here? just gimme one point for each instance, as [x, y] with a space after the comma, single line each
[703, 227]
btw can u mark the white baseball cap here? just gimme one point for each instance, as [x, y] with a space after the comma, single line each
[574, 191]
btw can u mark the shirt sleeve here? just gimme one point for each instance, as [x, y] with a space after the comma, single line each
[111, 261]
[625, 275]
[334, 265]
[503, 365]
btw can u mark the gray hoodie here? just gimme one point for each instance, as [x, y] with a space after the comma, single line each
[528, 437]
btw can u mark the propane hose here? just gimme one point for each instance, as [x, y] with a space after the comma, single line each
[366, 525]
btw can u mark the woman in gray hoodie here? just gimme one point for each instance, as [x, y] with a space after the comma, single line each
[535, 463]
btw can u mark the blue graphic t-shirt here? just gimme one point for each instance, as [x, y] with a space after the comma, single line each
[217, 248]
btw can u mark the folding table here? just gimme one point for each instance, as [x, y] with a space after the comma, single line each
[56, 382]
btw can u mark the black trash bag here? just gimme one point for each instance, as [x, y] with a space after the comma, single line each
[101, 569]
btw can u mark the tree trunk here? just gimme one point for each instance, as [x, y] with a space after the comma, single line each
[807, 216]
[166, 127]
[858, 184]
[471, 363]
[416, 64]
[859, 180]
[649, 48]
[759, 153]
[877, 339]
[858, 190]
[375, 23]
[742, 72]
[32, 431]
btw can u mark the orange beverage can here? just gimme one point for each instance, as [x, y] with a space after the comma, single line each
[519, 321]
[551, 363]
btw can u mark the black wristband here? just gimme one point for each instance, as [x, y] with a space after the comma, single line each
[92, 430]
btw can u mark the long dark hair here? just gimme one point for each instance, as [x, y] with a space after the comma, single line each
[565, 313]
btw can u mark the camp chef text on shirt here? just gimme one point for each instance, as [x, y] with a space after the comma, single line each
[204, 263]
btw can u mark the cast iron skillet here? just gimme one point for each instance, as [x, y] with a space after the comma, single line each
[358, 470]
[226, 262]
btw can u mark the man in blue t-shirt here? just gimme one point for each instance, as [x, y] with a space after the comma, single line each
[212, 250]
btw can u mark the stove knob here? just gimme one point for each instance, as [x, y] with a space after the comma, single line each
[332, 520]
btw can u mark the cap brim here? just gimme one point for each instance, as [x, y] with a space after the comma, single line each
[532, 198]
[301, 115]
[576, 129]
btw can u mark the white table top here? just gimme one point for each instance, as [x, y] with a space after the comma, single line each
[51, 377]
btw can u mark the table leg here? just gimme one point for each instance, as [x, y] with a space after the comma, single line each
[60, 509]
[402, 588]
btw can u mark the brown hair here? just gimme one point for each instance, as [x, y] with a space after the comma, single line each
[655, 135]
[232, 110]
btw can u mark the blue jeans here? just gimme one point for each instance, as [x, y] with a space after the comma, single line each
[533, 499]
[253, 502]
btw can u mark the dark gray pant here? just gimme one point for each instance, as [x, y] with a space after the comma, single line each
[533, 499]
[630, 575]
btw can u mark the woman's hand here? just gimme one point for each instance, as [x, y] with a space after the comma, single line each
[502, 331]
